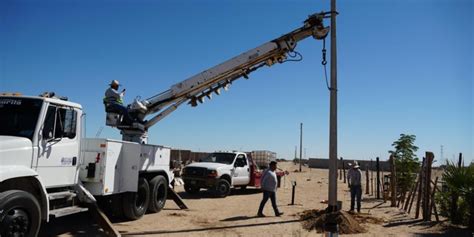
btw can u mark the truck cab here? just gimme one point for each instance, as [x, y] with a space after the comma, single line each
[49, 169]
[220, 171]
[40, 141]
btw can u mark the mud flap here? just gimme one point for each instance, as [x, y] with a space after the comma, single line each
[176, 198]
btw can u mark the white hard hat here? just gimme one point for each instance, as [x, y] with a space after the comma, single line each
[356, 164]
[115, 82]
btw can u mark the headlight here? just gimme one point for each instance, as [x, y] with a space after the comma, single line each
[211, 173]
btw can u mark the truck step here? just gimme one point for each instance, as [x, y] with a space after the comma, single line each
[61, 195]
[67, 211]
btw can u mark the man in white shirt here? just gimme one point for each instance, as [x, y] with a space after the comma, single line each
[268, 183]
[354, 177]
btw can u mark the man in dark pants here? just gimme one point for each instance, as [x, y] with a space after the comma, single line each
[354, 177]
[268, 184]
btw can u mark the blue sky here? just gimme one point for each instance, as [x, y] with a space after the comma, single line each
[405, 66]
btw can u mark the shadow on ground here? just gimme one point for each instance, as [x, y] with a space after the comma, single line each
[240, 218]
[208, 194]
[81, 224]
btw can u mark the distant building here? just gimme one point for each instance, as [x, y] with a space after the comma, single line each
[323, 163]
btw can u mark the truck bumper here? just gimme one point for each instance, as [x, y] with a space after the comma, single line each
[201, 182]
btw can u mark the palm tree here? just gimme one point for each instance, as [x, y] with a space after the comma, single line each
[460, 183]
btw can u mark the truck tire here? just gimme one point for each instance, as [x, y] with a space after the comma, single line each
[21, 214]
[135, 204]
[191, 189]
[223, 188]
[158, 193]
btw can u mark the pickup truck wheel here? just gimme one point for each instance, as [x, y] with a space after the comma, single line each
[191, 189]
[20, 214]
[223, 188]
[135, 204]
[158, 193]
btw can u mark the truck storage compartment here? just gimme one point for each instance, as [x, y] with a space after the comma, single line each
[109, 166]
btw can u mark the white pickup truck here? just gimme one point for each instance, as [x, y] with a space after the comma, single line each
[220, 171]
[48, 169]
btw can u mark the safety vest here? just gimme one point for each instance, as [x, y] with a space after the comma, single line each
[109, 100]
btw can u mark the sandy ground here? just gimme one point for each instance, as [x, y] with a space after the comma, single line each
[235, 215]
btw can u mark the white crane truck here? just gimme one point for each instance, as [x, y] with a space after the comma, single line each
[48, 168]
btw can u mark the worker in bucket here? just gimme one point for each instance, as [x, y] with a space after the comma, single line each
[113, 100]
[269, 184]
[354, 177]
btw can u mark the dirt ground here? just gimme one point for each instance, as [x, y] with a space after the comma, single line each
[235, 215]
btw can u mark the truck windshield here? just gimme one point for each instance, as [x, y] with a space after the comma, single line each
[224, 158]
[18, 116]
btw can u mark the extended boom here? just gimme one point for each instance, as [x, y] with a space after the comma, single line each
[194, 89]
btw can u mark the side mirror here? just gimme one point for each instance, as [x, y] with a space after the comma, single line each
[48, 136]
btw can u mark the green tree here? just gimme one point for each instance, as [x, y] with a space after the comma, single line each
[406, 161]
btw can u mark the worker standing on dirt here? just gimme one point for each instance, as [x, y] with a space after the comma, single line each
[268, 184]
[354, 177]
[114, 100]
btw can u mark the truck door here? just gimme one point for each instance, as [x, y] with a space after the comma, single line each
[59, 146]
[242, 171]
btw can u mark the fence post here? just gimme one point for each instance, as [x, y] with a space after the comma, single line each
[393, 181]
[367, 179]
[427, 186]
[344, 169]
[378, 177]
[340, 169]
[420, 188]
[371, 177]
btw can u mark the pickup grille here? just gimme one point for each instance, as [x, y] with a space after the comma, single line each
[196, 171]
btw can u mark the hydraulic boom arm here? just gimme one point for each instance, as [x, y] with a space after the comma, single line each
[194, 89]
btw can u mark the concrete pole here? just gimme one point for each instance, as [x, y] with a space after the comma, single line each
[331, 227]
[296, 148]
[301, 143]
[333, 115]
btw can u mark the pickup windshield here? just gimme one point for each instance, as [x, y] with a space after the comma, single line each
[224, 158]
[18, 116]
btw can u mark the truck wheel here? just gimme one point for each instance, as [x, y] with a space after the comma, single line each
[134, 204]
[191, 189]
[20, 214]
[158, 193]
[223, 188]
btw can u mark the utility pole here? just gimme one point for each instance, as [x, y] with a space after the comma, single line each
[301, 143]
[442, 153]
[331, 227]
[296, 147]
